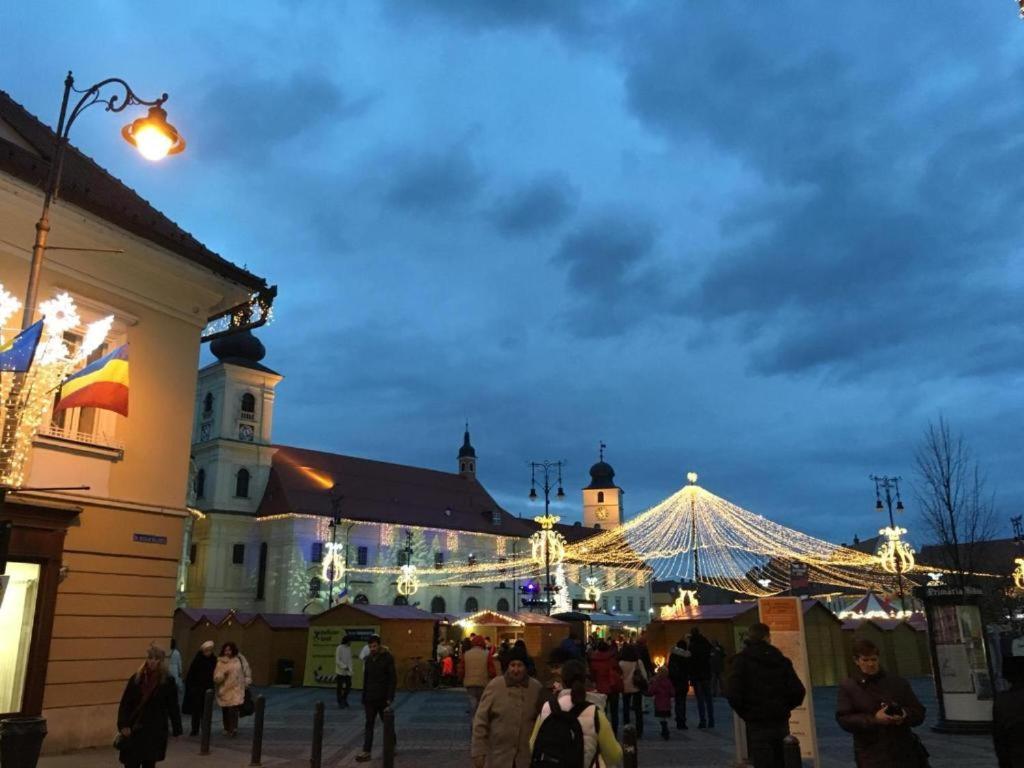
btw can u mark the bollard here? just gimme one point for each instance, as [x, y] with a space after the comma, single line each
[316, 756]
[389, 737]
[204, 728]
[257, 732]
[629, 751]
[791, 752]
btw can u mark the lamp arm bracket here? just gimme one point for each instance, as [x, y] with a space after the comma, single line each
[116, 102]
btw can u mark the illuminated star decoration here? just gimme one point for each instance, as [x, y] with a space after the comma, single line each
[896, 555]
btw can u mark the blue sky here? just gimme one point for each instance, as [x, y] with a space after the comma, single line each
[768, 244]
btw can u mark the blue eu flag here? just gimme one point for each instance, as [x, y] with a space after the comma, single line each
[16, 355]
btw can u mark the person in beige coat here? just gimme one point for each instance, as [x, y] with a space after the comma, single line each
[505, 717]
[231, 677]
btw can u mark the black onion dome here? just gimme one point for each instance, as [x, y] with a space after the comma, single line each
[238, 347]
[602, 475]
[467, 450]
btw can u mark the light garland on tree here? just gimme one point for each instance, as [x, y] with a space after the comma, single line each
[896, 555]
[26, 397]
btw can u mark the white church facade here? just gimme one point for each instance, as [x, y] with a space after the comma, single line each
[268, 517]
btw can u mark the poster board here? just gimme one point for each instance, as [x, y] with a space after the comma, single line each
[785, 617]
[321, 643]
[963, 669]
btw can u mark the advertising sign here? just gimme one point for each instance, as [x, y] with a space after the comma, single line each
[785, 618]
[320, 646]
[962, 662]
[799, 582]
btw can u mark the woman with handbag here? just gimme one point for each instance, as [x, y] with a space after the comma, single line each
[231, 677]
[634, 685]
[150, 698]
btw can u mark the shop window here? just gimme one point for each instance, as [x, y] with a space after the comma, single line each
[238, 554]
[200, 483]
[472, 606]
[502, 604]
[362, 555]
[361, 599]
[17, 615]
[242, 484]
[314, 587]
[261, 573]
[316, 552]
[437, 605]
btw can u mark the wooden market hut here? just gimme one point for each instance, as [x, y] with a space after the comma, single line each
[826, 654]
[541, 633]
[868, 629]
[408, 632]
[906, 648]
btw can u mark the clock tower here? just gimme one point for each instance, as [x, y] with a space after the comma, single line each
[602, 499]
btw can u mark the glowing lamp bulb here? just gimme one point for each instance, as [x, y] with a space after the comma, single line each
[153, 136]
[692, 477]
[152, 143]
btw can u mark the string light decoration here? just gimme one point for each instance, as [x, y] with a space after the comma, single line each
[895, 554]
[687, 600]
[562, 602]
[26, 397]
[408, 582]
[592, 592]
[387, 535]
[332, 568]
[1018, 573]
[547, 545]
[451, 541]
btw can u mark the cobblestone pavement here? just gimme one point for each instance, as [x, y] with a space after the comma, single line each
[433, 731]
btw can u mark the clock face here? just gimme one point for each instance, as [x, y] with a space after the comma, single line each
[601, 513]
[246, 432]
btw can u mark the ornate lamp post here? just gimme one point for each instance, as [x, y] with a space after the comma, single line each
[896, 555]
[546, 535]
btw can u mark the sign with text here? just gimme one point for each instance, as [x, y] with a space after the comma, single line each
[321, 643]
[785, 617]
[149, 538]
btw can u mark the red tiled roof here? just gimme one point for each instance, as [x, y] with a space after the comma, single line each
[380, 492]
[90, 187]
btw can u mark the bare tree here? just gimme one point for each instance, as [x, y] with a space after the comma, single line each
[955, 506]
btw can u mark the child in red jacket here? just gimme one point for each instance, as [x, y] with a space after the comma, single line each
[663, 692]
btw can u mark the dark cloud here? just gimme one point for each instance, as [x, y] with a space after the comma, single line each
[253, 118]
[432, 182]
[536, 207]
[573, 19]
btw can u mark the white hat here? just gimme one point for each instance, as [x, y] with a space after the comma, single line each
[207, 644]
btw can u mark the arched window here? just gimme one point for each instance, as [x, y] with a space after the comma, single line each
[242, 483]
[472, 606]
[437, 605]
[361, 599]
[502, 604]
[314, 587]
[600, 497]
[248, 405]
[208, 403]
[200, 483]
[401, 600]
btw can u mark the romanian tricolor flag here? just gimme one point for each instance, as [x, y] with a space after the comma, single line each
[103, 384]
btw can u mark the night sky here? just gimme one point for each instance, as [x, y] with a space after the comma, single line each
[768, 242]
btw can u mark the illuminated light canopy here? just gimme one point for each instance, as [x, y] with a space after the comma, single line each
[547, 546]
[895, 555]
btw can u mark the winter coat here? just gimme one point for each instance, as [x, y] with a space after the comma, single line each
[343, 660]
[174, 669]
[876, 745]
[232, 677]
[700, 658]
[679, 668]
[148, 742]
[763, 687]
[717, 659]
[571, 648]
[644, 655]
[197, 682]
[604, 670]
[379, 678]
[476, 667]
[504, 721]
[1008, 727]
[598, 736]
[663, 691]
[627, 668]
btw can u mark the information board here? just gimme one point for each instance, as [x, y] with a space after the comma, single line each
[320, 646]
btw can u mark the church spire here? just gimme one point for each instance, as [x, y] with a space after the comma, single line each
[467, 456]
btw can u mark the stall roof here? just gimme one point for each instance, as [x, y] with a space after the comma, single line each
[497, 619]
[406, 612]
[723, 612]
[217, 617]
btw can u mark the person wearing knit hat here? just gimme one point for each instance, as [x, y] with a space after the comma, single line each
[505, 716]
[197, 682]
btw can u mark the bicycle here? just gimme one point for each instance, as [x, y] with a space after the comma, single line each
[423, 675]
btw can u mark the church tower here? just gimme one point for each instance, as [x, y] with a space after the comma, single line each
[602, 499]
[467, 457]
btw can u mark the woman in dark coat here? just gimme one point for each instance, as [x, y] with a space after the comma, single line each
[198, 681]
[150, 698]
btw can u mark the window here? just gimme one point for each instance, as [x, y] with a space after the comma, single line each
[496, 517]
[400, 600]
[604, 604]
[248, 406]
[316, 552]
[78, 423]
[314, 587]
[193, 550]
[502, 604]
[16, 621]
[208, 404]
[261, 573]
[472, 606]
[361, 599]
[439, 560]
[600, 497]
[403, 557]
[362, 555]
[242, 484]
[437, 605]
[471, 560]
[238, 554]
[618, 603]
[200, 483]
[629, 604]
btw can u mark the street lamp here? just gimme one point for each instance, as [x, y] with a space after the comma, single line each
[896, 554]
[152, 135]
[547, 469]
[336, 499]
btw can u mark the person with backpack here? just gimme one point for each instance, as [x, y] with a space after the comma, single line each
[505, 716]
[634, 684]
[572, 730]
[607, 677]
[763, 689]
[679, 674]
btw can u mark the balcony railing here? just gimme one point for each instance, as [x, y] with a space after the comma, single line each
[100, 439]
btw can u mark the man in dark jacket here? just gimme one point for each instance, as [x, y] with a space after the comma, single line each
[763, 689]
[700, 676]
[679, 674]
[379, 683]
[1008, 716]
[879, 710]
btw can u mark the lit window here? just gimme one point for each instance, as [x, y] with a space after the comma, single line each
[17, 617]
[238, 554]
